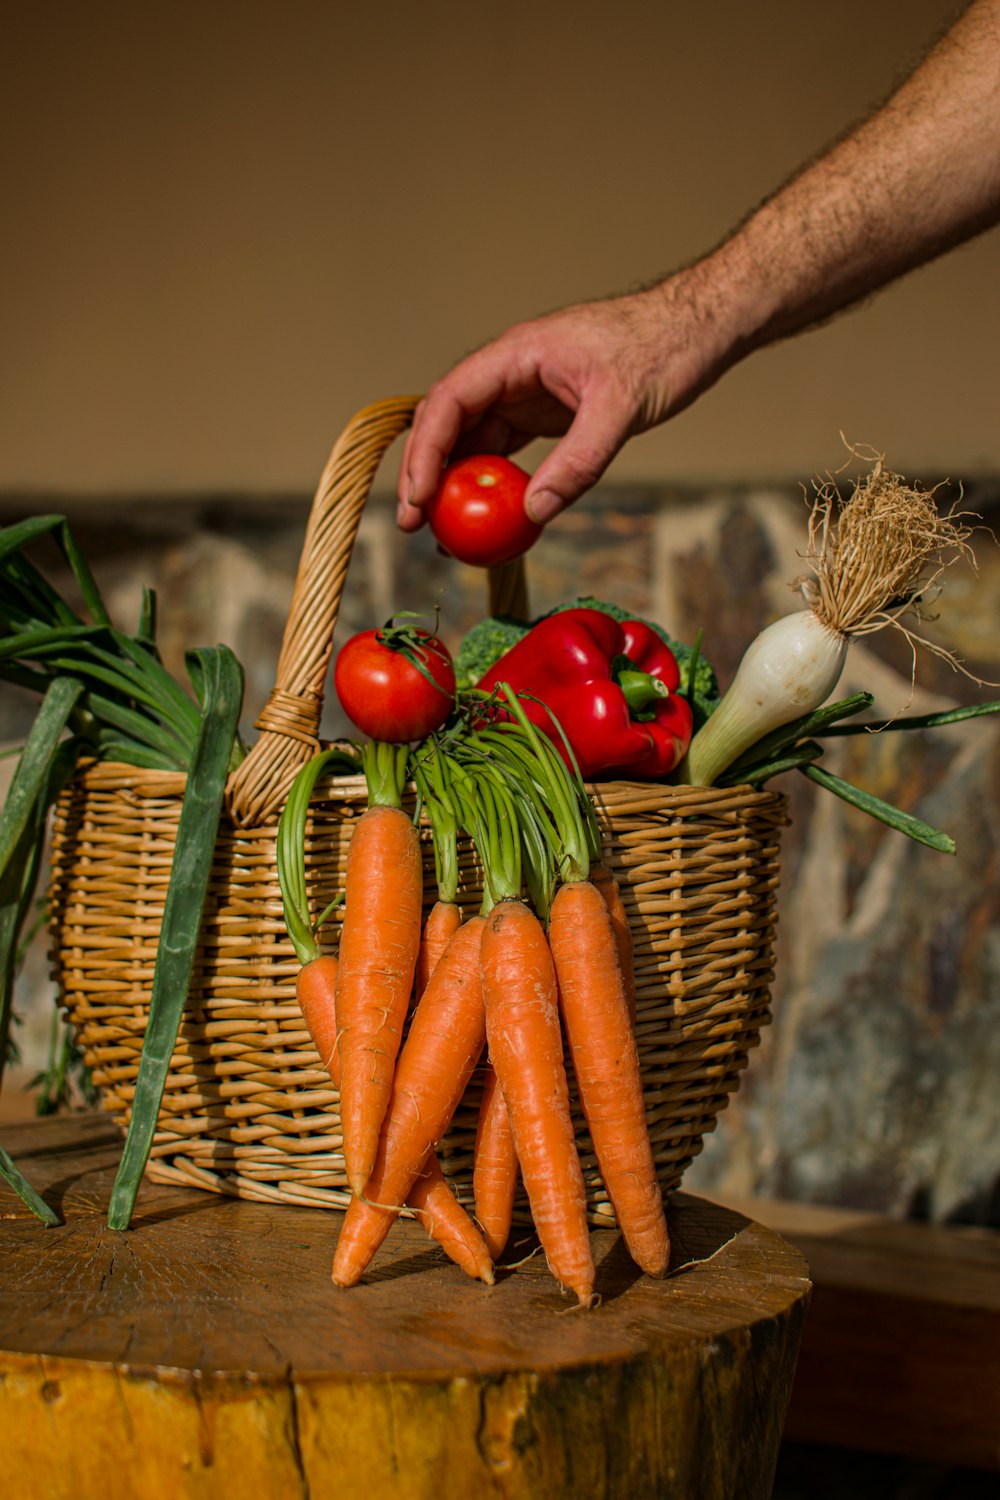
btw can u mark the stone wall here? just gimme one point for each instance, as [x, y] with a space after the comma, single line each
[875, 1085]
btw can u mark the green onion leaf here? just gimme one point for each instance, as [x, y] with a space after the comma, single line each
[85, 581]
[45, 767]
[189, 875]
[919, 721]
[35, 763]
[757, 774]
[146, 629]
[893, 816]
[797, 729]
[16, 1179]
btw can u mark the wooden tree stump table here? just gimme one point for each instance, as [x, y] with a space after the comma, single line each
[205, 1352]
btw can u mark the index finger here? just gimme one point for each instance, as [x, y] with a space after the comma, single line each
[451, 405]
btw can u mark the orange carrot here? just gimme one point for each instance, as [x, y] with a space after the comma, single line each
[443, 920]
[525, 1042]
[445, 1220]
[442, 1047]
[432, 1200]
[315, 990]
[495, 1169]
[606, 1063]
[378, 955]
[606, 883]
[445, 916]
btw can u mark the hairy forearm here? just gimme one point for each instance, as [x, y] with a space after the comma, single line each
[921, 175]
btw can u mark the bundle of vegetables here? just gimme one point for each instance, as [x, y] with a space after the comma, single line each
[499, 981]
[623, 701]
[586, 691]
[874, 561]
[105, 695]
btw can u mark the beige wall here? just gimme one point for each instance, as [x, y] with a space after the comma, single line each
[227, 225]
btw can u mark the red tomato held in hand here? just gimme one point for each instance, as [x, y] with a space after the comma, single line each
[478, 512]
[395, 684]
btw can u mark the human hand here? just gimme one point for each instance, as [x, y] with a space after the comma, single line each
[592, 375]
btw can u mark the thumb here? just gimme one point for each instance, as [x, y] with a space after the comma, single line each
[577, 462]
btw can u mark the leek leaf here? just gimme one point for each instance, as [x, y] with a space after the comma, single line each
[919, 721]
[197, 829]
[16, 1179]
[797, 729]
[903, 822]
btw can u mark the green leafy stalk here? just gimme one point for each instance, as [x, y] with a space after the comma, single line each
[431, 780]
[53, 1081]
[302, 929]
[563, 794]
[807, 727]
[792, 760]
[14, 538]
[498, 841]
[17, 886]
[41, 772]
[36, 760]
[186, 892]
[918, 721]
[146, 628]
[903, 822]
[16, 1179]
[139, 728]
[385, 769]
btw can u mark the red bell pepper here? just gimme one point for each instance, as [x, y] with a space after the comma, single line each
[612, 686]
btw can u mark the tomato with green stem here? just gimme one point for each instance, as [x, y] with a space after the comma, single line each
[396, 684]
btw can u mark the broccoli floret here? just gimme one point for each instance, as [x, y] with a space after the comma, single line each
[705, 693]
[484, 645]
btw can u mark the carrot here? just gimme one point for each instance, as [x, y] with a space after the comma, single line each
[445, 915]
[445, 1220]
[432, 1200]
[519, 980]
[525, 1042]
[378, 955]
[442, 1047]
[606, 1062]
[315, 990]
[443, 921]
[495, 1168]
[316, 979]
[608, 886]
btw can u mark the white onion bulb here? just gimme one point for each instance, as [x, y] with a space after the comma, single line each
[790, 669]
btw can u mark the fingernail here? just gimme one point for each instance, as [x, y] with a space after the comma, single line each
[542, 506]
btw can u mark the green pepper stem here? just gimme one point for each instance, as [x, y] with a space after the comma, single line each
[641, 689]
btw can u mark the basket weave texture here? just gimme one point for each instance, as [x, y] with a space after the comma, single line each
[248, 1108]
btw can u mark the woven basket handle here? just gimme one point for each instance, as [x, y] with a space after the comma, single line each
[289, 723]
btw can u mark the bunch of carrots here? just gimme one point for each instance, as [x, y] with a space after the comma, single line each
[546, 963]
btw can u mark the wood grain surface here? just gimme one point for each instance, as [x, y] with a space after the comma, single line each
[206, 1347]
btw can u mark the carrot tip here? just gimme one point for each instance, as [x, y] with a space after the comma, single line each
[345, 1281]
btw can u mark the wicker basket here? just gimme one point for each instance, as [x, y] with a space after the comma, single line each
[248, 1109]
